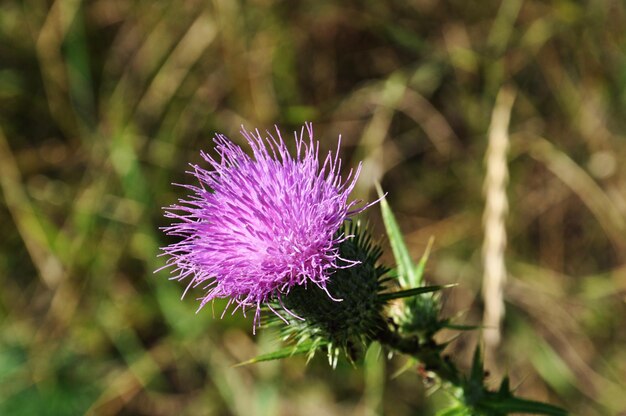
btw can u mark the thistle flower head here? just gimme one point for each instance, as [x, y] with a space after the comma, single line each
[256, 226]
[350, 325]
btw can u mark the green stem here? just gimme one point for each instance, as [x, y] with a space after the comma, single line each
[475, 395]
[429, 353]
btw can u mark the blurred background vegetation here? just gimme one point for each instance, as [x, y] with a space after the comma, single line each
[104, 102]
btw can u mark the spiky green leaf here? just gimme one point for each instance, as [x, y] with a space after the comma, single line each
[421, 266]
[461, 327]
[385, 297]
[406, 268]
[505, 405]
[477, 373]
[286, 352]
[459, 410]
[410, 363]
[505, 387]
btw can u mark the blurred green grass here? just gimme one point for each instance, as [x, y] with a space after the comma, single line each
[103, 103]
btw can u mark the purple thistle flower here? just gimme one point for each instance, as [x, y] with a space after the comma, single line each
[257, 226]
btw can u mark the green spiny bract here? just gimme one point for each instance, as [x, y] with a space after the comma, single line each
[420, 315]
[349, 323]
